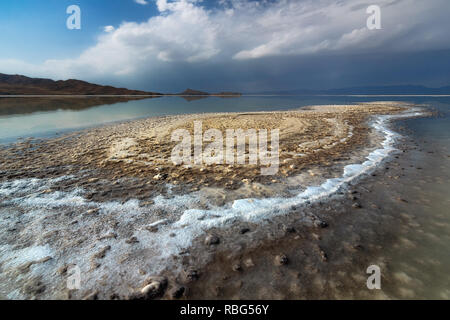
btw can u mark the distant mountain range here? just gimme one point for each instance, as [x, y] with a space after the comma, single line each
[22, 85]
[373, 90]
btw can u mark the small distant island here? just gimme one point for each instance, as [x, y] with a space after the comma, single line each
[191, 92]
[11, 85]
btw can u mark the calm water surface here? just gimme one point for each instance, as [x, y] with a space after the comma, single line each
[41, 117]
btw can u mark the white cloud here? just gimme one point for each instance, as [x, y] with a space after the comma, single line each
[108, 29]
[185, 31]
[143, 2]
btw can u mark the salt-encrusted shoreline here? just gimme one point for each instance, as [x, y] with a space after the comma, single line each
[117, 245]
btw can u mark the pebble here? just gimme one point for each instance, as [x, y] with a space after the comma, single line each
[249, 263]
[132, 240]
[153, 286]
[244, 230]
[190, 274]
[177, 292]
[160, 176]
[91, 296]
[237, 267]
[212, 240]
[356, 205]
[101, 254]
[289, 229]
[323, 255]
[320, 223]
[281, 259]
[93, 211]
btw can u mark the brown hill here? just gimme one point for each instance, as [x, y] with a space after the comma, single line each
[22, 85]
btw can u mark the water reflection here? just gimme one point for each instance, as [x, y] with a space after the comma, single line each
[41, 117]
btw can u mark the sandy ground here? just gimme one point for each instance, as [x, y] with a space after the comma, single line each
[105, 200]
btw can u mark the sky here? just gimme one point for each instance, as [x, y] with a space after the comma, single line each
[239, 45]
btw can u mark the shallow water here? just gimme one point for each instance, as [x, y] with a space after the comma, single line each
[419, 262]
[45, 117]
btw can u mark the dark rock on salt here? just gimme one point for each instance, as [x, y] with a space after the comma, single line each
[132, 240]
[244, 230]
[212, 240]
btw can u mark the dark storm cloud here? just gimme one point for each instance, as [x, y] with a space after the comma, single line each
[254, 46]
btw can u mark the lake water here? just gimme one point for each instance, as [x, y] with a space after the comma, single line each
[43, 117]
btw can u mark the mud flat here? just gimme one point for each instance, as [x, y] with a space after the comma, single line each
[110, 202]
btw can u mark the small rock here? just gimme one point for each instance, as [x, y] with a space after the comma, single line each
[114, 296]
[110, 235]
[160, 176]
[63, 269]
[191, 274]
[323, 255]
[237, 267]
[320, 224]
[217, 291]
[249, 263]
[93, 211]
[152, 228]
[132, 240]
[212, 240]
[91, 296]
[146, 203]
[101, 254]
[177, 292]
[356, 205]
[153, 287]
[244, 230]
[34, 287]
[289, 229]
[95, 265]
[151, 290]
[281, 259]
